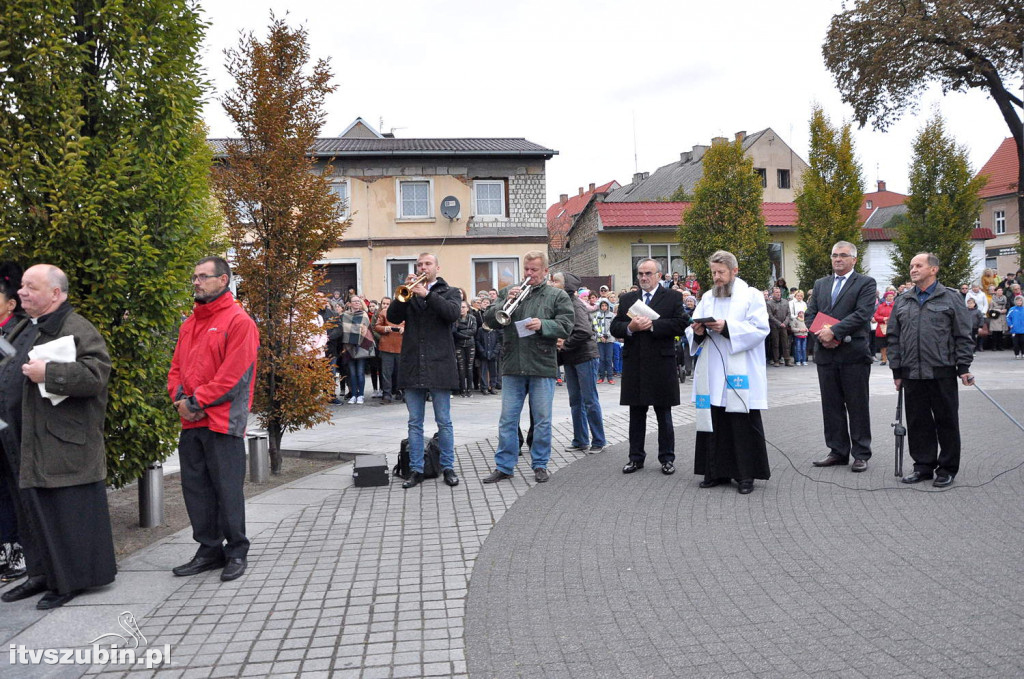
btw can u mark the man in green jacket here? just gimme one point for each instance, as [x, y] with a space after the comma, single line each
[528, 364]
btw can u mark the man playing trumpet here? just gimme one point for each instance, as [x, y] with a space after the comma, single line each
[528, 363]
[427, 364]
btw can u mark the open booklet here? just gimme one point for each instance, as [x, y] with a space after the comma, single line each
[641, 310]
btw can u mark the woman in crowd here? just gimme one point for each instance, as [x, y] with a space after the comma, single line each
[797, 304]
[997, 307]
[882, 314]
[1015, 325]
[12, 558]
[602, 322]
[359, 344]
[389, 347]
[988, 277]
[977, 322]
[465, 348]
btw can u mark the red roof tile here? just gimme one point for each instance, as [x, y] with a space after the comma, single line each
[560, 215]
[1001, 169]
[655, 214]
[878, 199]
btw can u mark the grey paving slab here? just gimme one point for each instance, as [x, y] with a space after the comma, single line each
[385, 582]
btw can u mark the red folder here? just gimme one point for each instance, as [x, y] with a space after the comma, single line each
[822, 321]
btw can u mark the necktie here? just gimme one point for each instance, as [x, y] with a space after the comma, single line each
[837, 287]
[647, 298]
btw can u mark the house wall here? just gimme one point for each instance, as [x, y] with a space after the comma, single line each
[875, 259]
[993, 246]
[376, 235]
[771, 153]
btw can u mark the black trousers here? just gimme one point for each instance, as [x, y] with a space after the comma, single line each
[212, 475]
[844, 408]
[638, 433]
[933, 424]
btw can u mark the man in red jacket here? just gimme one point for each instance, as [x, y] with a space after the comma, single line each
[211, 384]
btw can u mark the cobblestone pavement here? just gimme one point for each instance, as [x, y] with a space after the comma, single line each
[595, 573]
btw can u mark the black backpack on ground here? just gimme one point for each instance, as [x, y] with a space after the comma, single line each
[431, 459]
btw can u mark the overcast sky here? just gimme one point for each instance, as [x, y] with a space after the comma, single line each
[614, 87]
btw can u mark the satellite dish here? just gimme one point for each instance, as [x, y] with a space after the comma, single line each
[450, 207]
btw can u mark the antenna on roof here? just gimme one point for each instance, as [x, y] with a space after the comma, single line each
[636, 165]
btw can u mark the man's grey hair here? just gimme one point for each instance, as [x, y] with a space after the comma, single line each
[934, 261]
[724, 257]
[558, 276]
[535, 255]
[650, 259]
[848, 245]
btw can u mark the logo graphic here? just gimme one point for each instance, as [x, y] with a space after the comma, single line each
[118, 649]
[127, 622]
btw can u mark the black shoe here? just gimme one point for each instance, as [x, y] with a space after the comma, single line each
[830, 460]
[711, 483]
[54, 600]
[496, 475]
[198, 565]
[746, 486]
[30, 587]
[450, 477]
[859, 466]
[632, 467]
[668, 468]
[415, 479]
[943, 480]
[541, 475]
[492, 392]
[233, 569]
[916, 477]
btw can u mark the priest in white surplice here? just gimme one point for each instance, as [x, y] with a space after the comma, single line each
[730, 387]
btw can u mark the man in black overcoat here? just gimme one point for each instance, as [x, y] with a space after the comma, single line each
[649, 364]
[843, 358]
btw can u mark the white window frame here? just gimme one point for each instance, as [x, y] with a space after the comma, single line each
[503, 209]
[999, 222]
[673, 250]
[347, 210]
[492, 259]
[399, 215]
[345, 260]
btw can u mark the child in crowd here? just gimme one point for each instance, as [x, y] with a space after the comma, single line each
[799, 330]
[1015, 326]
[977, 320]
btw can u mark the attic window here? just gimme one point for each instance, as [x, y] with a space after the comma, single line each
[869, 205]
[783, 179]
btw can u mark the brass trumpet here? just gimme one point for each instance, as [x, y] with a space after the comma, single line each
[403, 293]
[504, 315]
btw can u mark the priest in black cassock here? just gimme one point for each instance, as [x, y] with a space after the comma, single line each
[60, 452]
[730, 387]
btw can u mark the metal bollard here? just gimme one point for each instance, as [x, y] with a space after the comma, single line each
[151, 496]
[259, 457]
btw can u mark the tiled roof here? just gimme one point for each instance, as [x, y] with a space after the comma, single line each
[883, 215]
[878, 199]
[664, 181]
[334, 147]
[870, 234]
[560, 216]
[1001, 169]
[661, 214]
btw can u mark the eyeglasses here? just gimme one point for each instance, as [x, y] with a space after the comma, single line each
[201, 277]
[840, 255]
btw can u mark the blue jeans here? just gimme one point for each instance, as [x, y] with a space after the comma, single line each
[585, 405]
[800, 349]
[605, 351]
[356, 375]
[415, 401]
[617, 357]
[514, 391]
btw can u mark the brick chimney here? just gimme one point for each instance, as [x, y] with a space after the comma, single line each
[741, 135]
[881, 186]
[592, 187]
[563, 199]
[581, 190]
[719, 140]
[639, 177]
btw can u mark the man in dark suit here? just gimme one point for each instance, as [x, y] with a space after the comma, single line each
[843, 358]
[649, 364]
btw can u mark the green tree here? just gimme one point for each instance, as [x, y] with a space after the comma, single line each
[829, 199]
[680, 195]
[884, 53]
[282, 217]
[104, 172]
[726, 215]
[942, 207]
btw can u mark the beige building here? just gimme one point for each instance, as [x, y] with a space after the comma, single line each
[479, 203]
[1000, 213]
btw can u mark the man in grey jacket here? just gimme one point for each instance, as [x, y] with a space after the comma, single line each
[929, 336]
[778, 323]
